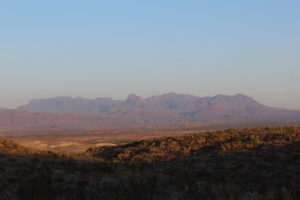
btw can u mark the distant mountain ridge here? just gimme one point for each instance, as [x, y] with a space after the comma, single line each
[166, 109]
[170, 101]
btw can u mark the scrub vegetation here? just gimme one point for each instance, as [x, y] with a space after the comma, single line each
[256, 163]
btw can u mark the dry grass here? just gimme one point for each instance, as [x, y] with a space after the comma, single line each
[247, 164]
[79, 141]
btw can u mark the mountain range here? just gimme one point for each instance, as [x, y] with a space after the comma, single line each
[167, 109]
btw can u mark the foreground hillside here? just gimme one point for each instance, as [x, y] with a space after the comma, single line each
[262, 163]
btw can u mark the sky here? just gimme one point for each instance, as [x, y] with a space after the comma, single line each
[114, 48]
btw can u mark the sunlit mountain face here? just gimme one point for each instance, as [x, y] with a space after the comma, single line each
[167, 109]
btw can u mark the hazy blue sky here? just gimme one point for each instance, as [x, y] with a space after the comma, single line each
[113, 48]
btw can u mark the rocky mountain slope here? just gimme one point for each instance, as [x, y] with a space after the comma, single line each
[167, 109]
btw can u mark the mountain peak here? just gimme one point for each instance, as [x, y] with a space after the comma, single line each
[133, 98]
[165, 108]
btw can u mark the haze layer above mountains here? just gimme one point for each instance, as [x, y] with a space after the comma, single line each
[166, 109]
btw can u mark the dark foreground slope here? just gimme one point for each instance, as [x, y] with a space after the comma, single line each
[233, 164]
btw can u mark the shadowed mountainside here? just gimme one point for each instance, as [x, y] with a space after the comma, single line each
[248, 164]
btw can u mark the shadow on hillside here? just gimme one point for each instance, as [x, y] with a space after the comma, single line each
[273, 172]
[258, 165]
[212, 172]
[223, 170]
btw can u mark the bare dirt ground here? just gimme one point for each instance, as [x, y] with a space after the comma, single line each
[76, 141]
